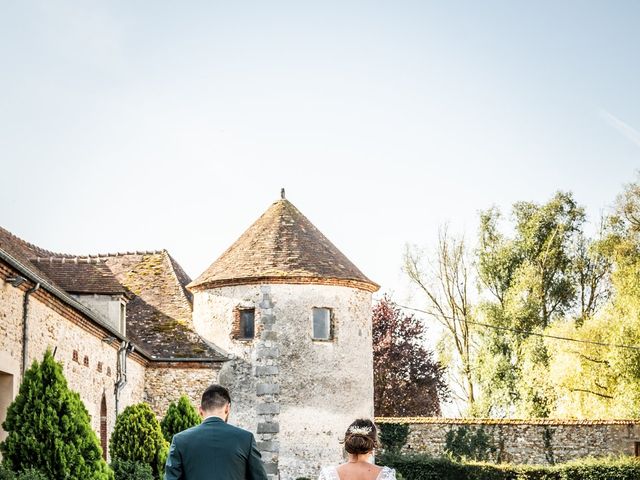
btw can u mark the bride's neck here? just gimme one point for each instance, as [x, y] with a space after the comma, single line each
[363, 457]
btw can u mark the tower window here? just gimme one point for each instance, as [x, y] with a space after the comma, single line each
[247, 323]
[322, 324]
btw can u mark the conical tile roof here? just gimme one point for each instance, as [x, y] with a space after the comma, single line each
[283, 246]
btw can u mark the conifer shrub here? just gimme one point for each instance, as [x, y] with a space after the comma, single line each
[31, 474]
[137, 437]
[179, 417]
[6, 474]
[130, 470]
[49, 431]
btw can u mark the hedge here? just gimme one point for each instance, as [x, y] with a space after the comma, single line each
[421, 467]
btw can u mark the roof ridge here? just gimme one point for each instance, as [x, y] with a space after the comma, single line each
[172, 267]
[63, 257]
[30, 245]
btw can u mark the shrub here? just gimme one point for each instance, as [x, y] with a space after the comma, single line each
[179, 417]
[48, 429]
[6, 474]
[464, 443]
[420, 467]
[129, 470]
[31, 474]
[137, 437]
[393, 436]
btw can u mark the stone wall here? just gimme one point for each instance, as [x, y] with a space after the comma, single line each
[533, 441]
[297, 394]
[89, 364]
[165, 384]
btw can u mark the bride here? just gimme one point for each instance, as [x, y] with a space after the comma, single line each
[360, 440]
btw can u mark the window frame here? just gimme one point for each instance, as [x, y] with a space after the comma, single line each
[332, 330]
[238, 331]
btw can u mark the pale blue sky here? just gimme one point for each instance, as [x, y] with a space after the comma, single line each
[144, 125]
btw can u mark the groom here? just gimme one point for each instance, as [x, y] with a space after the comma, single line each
[214, 450]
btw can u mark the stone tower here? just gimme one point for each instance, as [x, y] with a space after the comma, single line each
[295, 314]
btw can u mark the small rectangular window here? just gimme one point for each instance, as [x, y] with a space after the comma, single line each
[247, 323]
[637, 449]
[322, 324]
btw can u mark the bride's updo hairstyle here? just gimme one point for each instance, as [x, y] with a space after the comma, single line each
[361, 437]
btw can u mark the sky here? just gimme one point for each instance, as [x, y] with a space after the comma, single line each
[148, 125]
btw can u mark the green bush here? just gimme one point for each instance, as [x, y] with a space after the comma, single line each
[129, 470]
[465, 443]
[420, 467]
[31, 474]
[179, 417]
[48, 429]
[393, 436]
[6, 474]
[137, 437]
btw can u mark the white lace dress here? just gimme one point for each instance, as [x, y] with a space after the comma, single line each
[331, 473]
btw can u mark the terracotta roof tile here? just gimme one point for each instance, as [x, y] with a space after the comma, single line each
[159, 315]
[159, 310]
[283, 246]
[82, 275]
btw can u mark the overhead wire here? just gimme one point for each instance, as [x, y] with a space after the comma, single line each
[527, 332]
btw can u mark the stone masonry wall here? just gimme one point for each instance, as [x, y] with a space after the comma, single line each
[298, 395]
[532, 442]
[164, 385]
[89, 364]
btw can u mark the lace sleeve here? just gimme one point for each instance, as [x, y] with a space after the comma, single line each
[387, 474]
[326, 474]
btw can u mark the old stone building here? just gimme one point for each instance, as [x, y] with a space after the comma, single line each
[282, 318]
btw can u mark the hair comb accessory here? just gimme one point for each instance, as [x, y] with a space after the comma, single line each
[360, 430]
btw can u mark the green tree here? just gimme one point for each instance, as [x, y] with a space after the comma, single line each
[137, 437]
[179, 417]
[48, 428]
[532, 278]
[604, 381]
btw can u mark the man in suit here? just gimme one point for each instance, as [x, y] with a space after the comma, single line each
[214, 450]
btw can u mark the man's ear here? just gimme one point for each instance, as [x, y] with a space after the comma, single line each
[201, 412]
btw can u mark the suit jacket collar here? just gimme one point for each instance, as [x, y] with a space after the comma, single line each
[209, 420]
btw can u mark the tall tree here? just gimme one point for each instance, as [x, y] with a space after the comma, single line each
[604, 380]
[48, 428]
[444, 278]
[407, 379]
[532, 279]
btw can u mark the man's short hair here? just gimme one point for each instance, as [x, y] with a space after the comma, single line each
[214, 398]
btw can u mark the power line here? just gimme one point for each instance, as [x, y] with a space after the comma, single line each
[529, 332]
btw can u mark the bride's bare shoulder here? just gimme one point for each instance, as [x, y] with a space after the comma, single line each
[345, 469]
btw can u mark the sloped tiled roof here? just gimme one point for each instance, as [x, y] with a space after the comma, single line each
[283, 246]
[159, 311]
[80, 275]
[159, 315]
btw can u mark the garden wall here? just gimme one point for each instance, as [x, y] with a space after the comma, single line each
[536, 441]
